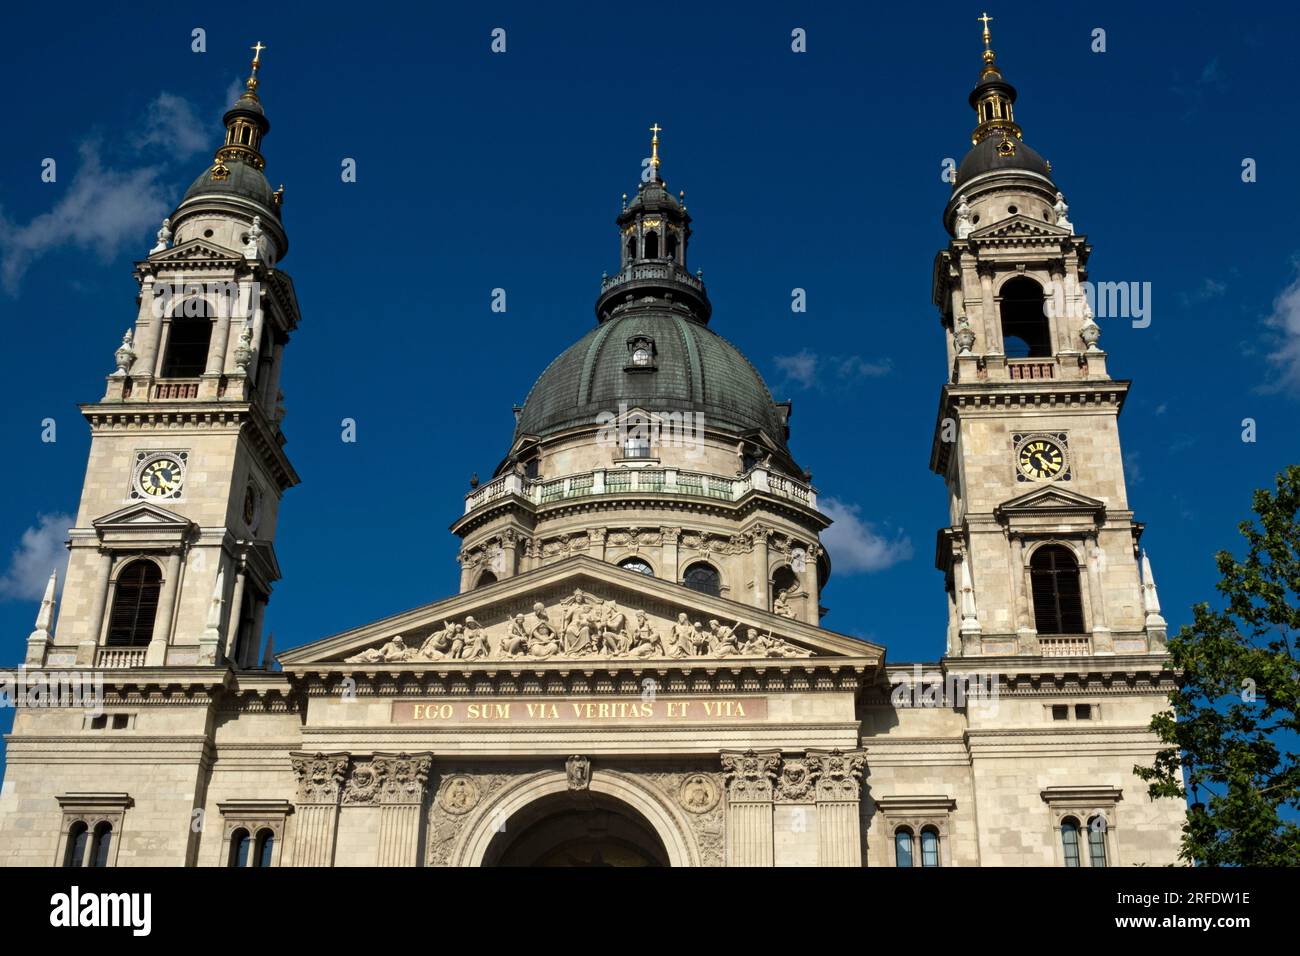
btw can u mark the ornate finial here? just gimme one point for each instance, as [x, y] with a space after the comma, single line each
[654, 148]
[257, 49]
[278, 196]
[989, 55]
[244, 350]
[125, 354]
[625, 200]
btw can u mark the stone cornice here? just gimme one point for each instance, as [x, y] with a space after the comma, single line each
[176, 417]
[581, 677]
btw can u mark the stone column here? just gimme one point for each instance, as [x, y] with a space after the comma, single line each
[466, 572]
[98, 604]
[596, 542]
[749, 780]
[156, 655]
[762, 572]
[148, 331]
[812, 586]
[991, 340]
[1102, 642]
[509, 553]
[236, 611]
[838, 791]
[320, 783]
[668, 556]
[401, 797]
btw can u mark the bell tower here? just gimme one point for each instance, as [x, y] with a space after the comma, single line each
[172, 559]
[1041, 555]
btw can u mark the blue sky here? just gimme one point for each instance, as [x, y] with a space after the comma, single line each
[818, 170]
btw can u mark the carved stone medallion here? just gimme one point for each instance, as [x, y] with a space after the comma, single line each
[459, 794]
[698, 793]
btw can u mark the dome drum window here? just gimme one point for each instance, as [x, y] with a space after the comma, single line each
[641, 354]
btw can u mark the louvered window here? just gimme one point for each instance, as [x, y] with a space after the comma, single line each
[1058, 600]
[135, 605]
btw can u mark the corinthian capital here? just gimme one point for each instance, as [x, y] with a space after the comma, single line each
[838, 773]
[750, 776]
[320, 776]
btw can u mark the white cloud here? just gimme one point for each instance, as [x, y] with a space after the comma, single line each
[1284, 322]
[808, 369]
[1207, 290]
[104, 206]
[40, 551]
[854, 544]
[800, 368]
[172, 124]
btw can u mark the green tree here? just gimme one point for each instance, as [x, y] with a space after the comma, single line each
[1233, 725]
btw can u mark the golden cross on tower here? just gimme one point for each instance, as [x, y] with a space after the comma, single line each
[986, 20]
[257, 49]
[654, 145]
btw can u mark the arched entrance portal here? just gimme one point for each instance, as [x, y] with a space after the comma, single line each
[576, 829]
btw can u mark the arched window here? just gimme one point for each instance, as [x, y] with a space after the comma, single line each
[1070, 840]
[1097, 841]
[135, 605]
[239, 846]
[641, 356]
[703, 578]
[631, 247]
[670, 245]
[78, 835]
[1026, 332]
[187, 346]
[265, 848]
[1058, 600]
[785, 580]
[929, 847]
[652, 245]
[487, 577]
[903, 847]
[100, 844]
[637, 565]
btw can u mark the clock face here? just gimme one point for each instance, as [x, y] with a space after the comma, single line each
[1041, 459]
[161, 478]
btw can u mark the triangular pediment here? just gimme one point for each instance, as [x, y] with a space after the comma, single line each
[1020, 226]
[1051, 498]
[143, 515]
[194, 249]
[578, 611]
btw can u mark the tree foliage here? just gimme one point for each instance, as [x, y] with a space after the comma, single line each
[1233, 726]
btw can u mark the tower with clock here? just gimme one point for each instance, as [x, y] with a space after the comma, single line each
[172, 559]
[1041, 555]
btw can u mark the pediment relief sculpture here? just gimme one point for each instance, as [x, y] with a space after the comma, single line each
[581, 626]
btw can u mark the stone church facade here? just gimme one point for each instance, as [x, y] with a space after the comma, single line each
[633, 671]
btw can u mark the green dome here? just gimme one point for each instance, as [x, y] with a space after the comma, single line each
[244, 181]
[695, 370]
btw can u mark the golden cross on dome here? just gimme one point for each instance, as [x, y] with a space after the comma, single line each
[986, 20]
[654, 145]
[257, 61]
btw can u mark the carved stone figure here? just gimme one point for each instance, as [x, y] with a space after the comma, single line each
[963, 224]
[682, 644]
[781, 604]
[645, 642]
[164, 237]
[394, 650]
[442, 643]
[1061, 209]
[542, 640]
[475, 640]
[578, 770]
[516, 640]
[251, 250]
